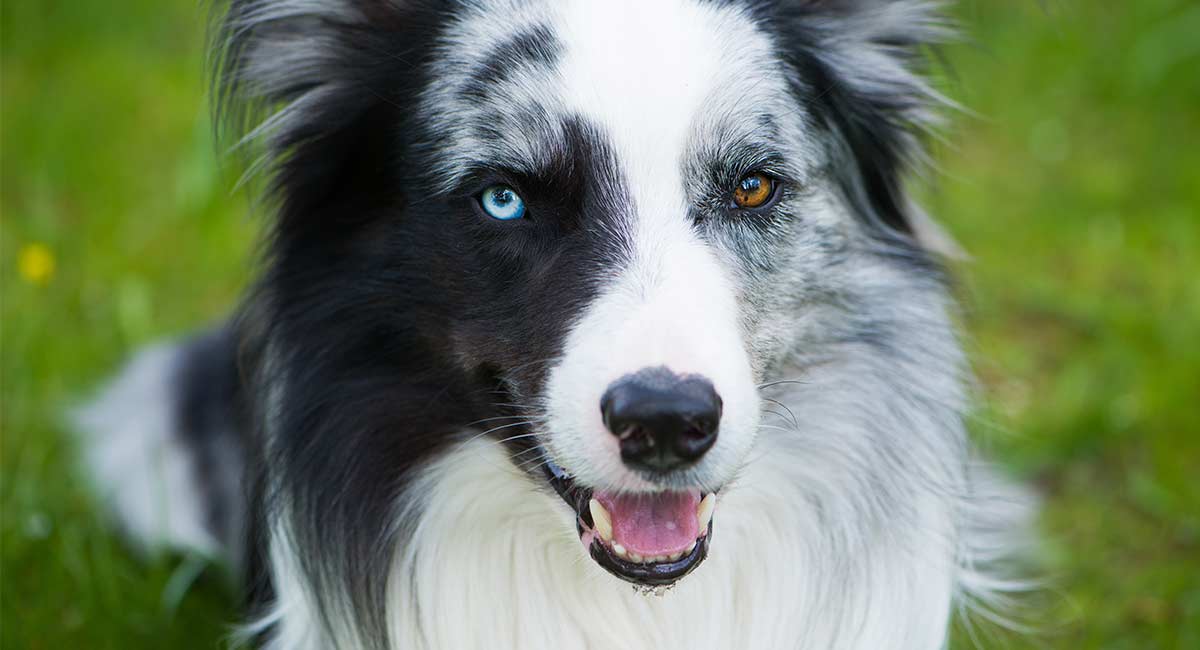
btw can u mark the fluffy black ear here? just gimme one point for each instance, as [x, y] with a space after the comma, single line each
[860, 67]
[317, 89]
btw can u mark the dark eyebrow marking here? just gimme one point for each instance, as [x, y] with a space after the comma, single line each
[536, 47]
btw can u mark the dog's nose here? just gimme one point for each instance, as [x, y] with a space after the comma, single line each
[664, 421]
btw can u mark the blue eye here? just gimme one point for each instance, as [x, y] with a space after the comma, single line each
[502, 202]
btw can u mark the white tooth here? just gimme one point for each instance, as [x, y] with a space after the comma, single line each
[704, 511]
[674, 556]
[634, 557]
[688, 551]
[601, 520]
[619, 550]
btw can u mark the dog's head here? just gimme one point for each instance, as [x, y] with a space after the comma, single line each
[611, 220]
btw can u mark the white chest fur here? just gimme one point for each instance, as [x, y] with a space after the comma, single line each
[495, 563]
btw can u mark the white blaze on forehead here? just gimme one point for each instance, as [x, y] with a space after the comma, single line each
[645, 71]
[649, 75]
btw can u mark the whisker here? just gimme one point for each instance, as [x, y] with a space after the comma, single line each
[499, 417]
[517, 437]
[530, 464]
[776, 428]
[514, 406]
[503, 426]
[783, 406]
[785, 420]
[783, 381]
[522, 366]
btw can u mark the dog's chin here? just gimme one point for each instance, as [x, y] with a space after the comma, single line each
[648, 539]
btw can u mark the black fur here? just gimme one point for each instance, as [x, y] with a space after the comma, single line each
[396, 315]
[535, 46]
[212, 420]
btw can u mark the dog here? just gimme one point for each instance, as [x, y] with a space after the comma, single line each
[581, 324]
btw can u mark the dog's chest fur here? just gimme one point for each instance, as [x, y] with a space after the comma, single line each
[824, 540]
[493, 564]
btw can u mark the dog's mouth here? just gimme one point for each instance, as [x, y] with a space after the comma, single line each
[647, 539]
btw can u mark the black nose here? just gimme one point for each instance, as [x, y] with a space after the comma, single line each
[664, 421]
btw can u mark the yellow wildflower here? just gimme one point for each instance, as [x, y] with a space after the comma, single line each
[35, 263]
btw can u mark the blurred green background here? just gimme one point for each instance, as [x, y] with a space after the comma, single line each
[1074, 183]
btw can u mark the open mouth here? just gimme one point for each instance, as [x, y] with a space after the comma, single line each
[647, 539]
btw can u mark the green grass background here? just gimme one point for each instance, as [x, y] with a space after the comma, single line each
[1075, 185]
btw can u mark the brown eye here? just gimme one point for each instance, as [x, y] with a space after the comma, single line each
[754, 190]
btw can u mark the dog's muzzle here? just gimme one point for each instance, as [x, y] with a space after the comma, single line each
[665, 423]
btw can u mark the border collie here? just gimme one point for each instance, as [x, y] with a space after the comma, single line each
[563, 296]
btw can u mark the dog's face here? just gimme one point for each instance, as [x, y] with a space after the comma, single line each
[644, 204]
[652, 170]
[621, 217]
[632, 193]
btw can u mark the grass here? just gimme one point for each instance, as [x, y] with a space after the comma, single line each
[1074, 186]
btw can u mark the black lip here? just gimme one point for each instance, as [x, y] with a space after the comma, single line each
[576, 496]
[655, 574]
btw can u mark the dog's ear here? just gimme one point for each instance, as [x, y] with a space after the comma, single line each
[860, 67]
[315, 90]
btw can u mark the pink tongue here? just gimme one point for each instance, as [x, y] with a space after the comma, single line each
[652, 524]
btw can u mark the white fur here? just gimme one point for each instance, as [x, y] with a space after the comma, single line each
[675, 304]
[481, 571]
[673, 307]
[294, 621]
[133, 456]
[486, 572]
